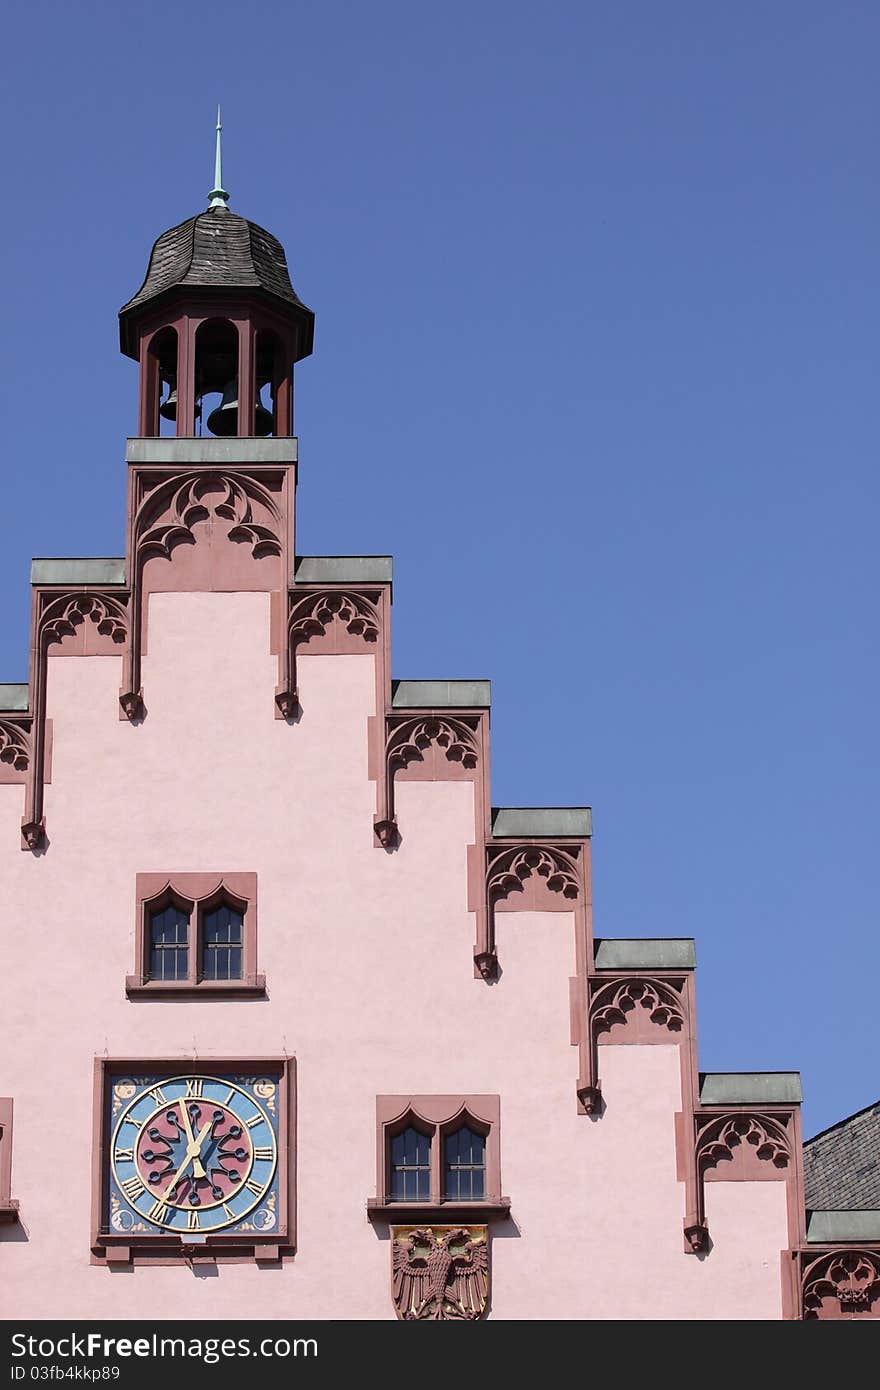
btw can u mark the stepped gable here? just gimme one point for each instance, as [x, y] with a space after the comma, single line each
[842, 1164]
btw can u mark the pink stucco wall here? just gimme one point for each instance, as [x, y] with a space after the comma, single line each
[368, 961]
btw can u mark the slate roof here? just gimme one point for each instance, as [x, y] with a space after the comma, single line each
[842, 1164]
[214, 248]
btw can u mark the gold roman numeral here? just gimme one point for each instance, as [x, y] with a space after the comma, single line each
[192, 1221]
[264, 1151]
[254, 1187]
[254, 1120]
[228, 1097]
[194, 1087]
[133, 1188]
[230, 1214]
[158, 1096]
[129, 1121]
[124, 1155]
[160, 1213]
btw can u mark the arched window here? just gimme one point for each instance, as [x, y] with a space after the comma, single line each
[164, 348]
[216, 377]
[169, 943]
[158, 411]
[222, 943]
[438, 1156]
[196, 937]
[464, 1166]
[410, 1166]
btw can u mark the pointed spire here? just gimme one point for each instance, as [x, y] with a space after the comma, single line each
[218, 197]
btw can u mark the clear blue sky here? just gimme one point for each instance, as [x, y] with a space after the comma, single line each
[596, 358]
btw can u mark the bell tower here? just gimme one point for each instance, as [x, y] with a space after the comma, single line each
[215, 325]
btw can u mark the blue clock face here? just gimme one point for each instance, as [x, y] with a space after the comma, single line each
[193, 1154]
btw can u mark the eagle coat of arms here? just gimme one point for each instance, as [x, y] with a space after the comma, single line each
[440, 1272]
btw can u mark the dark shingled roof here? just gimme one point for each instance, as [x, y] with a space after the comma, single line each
[215, 248]
[842, 1164]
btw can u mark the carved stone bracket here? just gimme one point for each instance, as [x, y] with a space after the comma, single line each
[15, 742]
[840, 1283]
[622, 1000]
[59, 615]
[164, 517]
[727, 1137]
[407, 740]
[508, 867]
[311, 614]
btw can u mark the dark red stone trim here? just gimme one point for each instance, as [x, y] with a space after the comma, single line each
[428, 745]
[109, 1249]
[8, 1205]
[337, 619]
[196, 893]
[523, 876]
[81, 621]
[251, 507]
[734, 1144]
[833, 1283]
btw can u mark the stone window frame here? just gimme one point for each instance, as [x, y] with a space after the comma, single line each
[197, 894]
[8, 1204]
[437, 1116]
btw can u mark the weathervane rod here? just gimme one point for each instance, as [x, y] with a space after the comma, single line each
[218, 197]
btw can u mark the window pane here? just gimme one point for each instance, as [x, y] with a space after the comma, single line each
[410, 1166]
[464, 1169]
[169, 935]
[222, 950]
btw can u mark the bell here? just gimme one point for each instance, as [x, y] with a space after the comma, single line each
[168, 408]
[224, 420]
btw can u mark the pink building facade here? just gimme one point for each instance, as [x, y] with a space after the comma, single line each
[328, 1026]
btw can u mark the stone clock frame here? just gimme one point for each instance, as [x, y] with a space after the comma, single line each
[110, 1248]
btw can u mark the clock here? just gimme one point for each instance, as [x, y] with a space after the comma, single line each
[192, 1154]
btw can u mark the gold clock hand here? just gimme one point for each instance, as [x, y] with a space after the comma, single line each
[192, 1153]
[177, 1176]
[198, 1170]
[186, 1124]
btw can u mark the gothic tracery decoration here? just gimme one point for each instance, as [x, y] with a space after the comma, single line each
[15, 743]
[718, 1140]
[165, 517]
[311, 615]
[407, 740]
[614, 1003]
[617, 1001]
[61, 615]
[167, 514]
[507, 869]
[440, 1272]
[849, 1276]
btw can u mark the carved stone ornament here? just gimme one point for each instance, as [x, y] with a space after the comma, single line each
[165, 517]
[59, 616]
[168, 513]
[15, 743]
[406, 741]
[507, 869]
[847, 1280]
[440, 1272]
[311, 614]
[718, 1140]
[628, 999]
[615, 1002]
